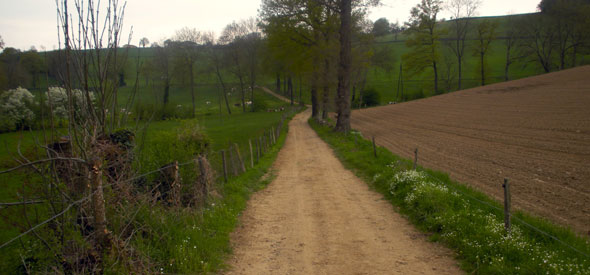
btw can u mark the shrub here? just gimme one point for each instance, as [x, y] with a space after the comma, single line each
[370, 98]
[15, 109]
[57, 98]
[259, 105]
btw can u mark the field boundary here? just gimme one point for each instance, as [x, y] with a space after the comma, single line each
[464, 219]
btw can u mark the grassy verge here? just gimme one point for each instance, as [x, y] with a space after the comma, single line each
[463, 219]
[197, 240]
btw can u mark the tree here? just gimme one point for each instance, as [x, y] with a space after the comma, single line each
[232, 37]
[486, 33]
[10, 61]
[424, 40]
[163, 68]
[144, 42]
[344, 68]
[539, 40]
[511, 37]
[215, 54]
[1, 43]
[252, 44]
[570, 21]
[462, 11]
[381, 27]
[33, 64]
[187, 53]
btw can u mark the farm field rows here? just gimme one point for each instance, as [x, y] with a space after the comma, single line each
[534, 131]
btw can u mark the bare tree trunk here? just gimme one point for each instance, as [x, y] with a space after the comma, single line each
[223, 88]
[343, 93]
[326, 87]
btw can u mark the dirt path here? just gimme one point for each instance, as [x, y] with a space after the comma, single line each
[316, 217]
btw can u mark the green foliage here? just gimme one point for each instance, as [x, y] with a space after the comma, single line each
[455, 215]
[259, 105]
[370, 98]
[381, 27]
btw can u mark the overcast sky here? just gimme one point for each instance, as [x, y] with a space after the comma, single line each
[26, 23]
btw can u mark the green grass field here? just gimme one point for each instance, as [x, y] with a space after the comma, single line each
[156, 145]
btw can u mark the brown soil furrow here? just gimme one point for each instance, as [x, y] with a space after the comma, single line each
[535, 131]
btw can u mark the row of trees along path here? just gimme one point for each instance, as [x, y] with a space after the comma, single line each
[316, 217]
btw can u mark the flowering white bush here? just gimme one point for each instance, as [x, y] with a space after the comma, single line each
[409, 176]
[58, 98]
[15, 108]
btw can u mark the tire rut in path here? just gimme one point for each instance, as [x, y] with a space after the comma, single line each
[316, 217]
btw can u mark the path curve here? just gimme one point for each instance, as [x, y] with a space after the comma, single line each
[317, 217]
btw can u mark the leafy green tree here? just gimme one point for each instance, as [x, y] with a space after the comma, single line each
[33, 64]
[16, 75]
[424, 42]
[187, 50]
[381, 27]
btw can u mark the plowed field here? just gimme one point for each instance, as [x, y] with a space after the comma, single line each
[534, 131]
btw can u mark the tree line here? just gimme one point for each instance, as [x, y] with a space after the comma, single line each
[304, 42]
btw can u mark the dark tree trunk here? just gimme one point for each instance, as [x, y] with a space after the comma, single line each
[507, 66]
[326, 88]
[285, 91]
[460, 70]
[290, 86]
[435, 77]
[278, 83]
[166, 91]
[343, 93]
[300, 87]
[223, 88]
[482, 72]
[315, 110]
[243, 93]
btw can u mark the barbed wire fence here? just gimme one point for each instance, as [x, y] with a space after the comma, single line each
[508, 217]
[207, 173]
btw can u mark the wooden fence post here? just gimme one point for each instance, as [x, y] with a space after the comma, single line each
[258, 150]
[175, 185]
[224, 165]
[374, 147]
[251, 154]
[240, 160]
[233, 168]
[415, 158]
[506, 186]
[203, 179]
